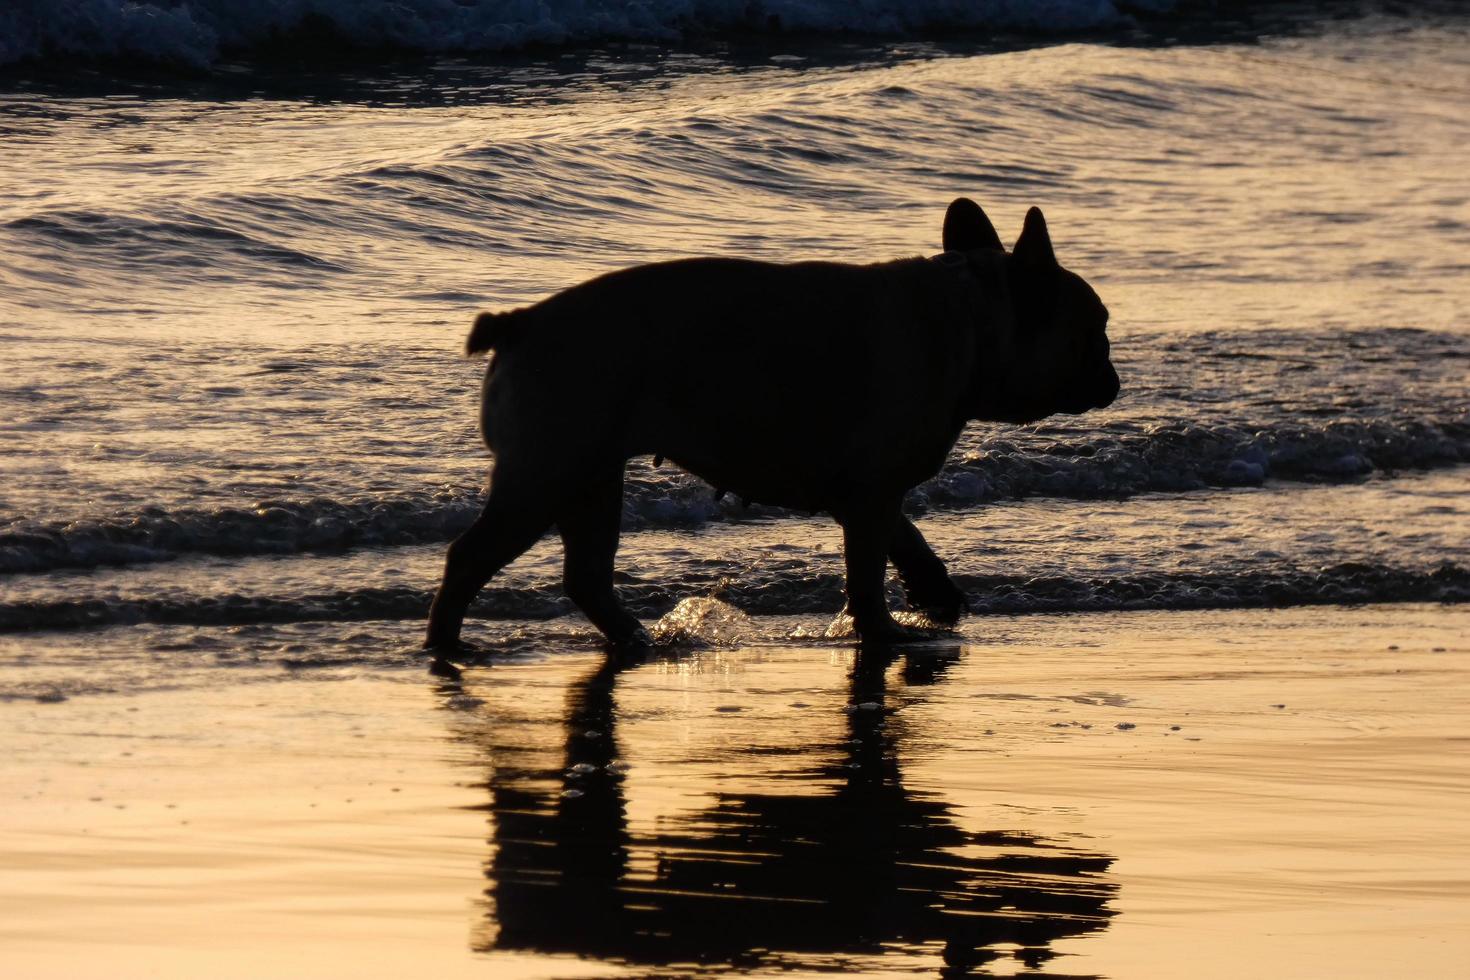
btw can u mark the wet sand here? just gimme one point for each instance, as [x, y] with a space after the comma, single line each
[1216, 794]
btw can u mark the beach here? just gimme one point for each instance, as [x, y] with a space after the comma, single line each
[1140, 794]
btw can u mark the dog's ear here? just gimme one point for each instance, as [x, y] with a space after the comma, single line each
[1033, 248]
[966, 227]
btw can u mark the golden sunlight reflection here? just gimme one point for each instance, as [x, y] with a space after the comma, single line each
[793, 843]
[1203, 710]
[1030, 801]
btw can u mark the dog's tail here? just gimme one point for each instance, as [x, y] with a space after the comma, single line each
[493, 331]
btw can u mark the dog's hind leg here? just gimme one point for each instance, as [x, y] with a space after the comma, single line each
[927, 586]
[589, 525]
[513, 519]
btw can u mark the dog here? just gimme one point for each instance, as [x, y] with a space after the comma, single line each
[816, 386]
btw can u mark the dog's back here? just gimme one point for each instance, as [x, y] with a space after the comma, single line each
[769, 380]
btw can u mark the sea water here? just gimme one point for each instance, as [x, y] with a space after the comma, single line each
[240, 246]
[1202, 720]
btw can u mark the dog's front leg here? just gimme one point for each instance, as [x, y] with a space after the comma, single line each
[867, 530]
[589, 524]
[926, 583]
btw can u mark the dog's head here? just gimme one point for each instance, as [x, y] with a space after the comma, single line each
[1051, 354]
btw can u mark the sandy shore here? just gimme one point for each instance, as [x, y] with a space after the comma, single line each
[1262, 793]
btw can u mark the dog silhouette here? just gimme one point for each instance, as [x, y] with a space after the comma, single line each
[818, 386]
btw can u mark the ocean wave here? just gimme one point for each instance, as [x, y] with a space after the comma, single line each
[266, 528]
[785, 594]
[187, 245]
[1176, 457]
[195, 32]
[1163, 458]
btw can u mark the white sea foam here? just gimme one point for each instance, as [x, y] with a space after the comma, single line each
[1170, 458]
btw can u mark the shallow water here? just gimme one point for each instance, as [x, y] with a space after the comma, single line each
[1120, 794]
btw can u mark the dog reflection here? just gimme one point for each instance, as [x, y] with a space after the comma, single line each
[790, 881]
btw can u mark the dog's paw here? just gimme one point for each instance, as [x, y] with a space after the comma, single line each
[944, 617]
[937, 608]
[904, 628]
[439, 667]
[895, 630]
[635, 639]
[456, 651]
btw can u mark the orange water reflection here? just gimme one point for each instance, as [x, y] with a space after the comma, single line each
[845, 866]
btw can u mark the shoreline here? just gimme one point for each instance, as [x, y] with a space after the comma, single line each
[1304, 812]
